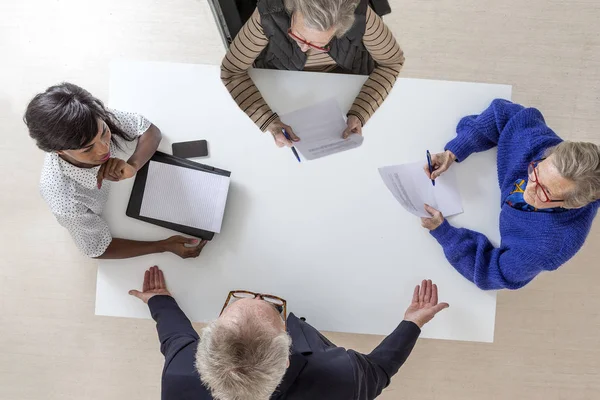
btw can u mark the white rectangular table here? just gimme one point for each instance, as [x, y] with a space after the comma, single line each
[326, 235]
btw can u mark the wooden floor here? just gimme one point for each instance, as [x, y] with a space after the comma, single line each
[53, 347]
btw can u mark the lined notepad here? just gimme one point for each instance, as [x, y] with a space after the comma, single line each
[185, 196]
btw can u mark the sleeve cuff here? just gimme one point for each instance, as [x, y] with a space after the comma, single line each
[159, 302]
[100, 247]
[266, 124]
[357, 115]
[410, 328]
[461, 148]
[442, 233]
[143, 125]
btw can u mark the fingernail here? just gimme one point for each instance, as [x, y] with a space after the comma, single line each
[196, 240]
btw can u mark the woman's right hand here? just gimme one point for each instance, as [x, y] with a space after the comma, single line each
[440, 163]
[276, 128]
[177, 245]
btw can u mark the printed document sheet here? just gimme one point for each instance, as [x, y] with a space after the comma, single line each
[413, 189]
[320, 128]
[185, 196]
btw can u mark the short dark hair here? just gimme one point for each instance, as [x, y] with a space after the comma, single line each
[65, 117]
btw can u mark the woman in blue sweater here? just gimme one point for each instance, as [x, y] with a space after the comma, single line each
[549, 197]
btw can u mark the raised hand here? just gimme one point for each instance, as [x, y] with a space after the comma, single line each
[424, 304]
[154, 285]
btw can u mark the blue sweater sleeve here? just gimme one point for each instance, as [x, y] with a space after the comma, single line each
[476, 133]
[474, 257]
[174, 328]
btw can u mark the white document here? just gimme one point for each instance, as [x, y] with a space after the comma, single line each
[320, 128]
[185, 196]
[413, 189]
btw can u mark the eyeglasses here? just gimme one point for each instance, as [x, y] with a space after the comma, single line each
[300, 40]
[540, 191]
[277, 302]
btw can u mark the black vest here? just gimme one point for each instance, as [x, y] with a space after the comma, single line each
[283, 52]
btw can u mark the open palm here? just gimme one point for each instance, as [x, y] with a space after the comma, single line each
[154, 285]
[424, 304]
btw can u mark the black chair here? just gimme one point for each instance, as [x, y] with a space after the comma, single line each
[231, 15]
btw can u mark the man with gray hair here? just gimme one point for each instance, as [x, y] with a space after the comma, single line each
[255, 351]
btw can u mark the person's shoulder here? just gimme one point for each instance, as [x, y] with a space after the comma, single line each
[373, 23]
[526, 123]
[370, 13]
[132, 123]
[56, 188]
[514, 111]
[180, 376]
[122, 117]
[581, 219]
[564, 234]
[183, 382]
[327, 374]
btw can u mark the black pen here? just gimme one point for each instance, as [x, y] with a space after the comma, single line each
[290, 139]
[430, 167]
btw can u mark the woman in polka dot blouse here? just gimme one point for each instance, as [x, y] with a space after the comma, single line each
[80, 137]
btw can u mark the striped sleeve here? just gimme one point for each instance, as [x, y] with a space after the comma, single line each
[389, 59]
[244, 49]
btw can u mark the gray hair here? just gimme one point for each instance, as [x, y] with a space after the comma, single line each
[580, 163]
[323, 15]
[242, 359]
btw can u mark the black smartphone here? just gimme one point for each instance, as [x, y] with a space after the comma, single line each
[193, 149]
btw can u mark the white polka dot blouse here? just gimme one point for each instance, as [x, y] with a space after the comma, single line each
[74, 198]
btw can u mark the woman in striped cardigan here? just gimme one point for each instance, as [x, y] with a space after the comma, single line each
[312, 35]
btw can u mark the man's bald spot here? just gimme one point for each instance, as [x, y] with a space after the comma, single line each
[256, 309]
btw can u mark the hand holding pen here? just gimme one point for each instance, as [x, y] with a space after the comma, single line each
[276, 128]
[287, 136]
[438, 163]
[430, 168]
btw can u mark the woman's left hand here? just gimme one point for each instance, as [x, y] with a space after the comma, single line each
[115, 170]
[353, 126]
[436, 218]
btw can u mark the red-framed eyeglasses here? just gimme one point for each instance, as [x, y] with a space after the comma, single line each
[540, 190]
[322, 49]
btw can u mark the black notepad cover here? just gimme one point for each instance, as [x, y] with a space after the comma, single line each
[137, 193]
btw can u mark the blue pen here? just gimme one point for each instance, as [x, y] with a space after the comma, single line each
[430, 167]
[290, 139]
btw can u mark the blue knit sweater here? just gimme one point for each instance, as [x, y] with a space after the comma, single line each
[531, 242]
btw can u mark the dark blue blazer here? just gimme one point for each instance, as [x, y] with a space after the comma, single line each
[318, 369]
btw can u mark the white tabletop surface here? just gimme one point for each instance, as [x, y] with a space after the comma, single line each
[326, 235]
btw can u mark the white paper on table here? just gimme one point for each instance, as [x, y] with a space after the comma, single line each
[320, 128]
[413, 189]
[185, 196]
